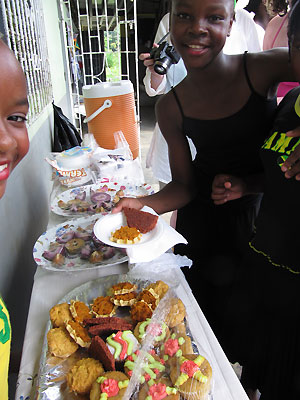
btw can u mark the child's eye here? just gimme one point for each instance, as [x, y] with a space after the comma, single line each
[182, 15]
[216, 18]
[17, 118]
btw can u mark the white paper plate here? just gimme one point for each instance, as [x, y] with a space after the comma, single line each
[110, 187]
[71, 264]
[104, 227]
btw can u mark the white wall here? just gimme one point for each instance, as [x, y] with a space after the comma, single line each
[24, 209]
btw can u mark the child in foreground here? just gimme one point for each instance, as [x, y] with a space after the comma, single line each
[267, 342]
[14, 145]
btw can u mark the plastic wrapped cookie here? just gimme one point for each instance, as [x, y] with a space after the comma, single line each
[159, 332]
[152, 366]
[122, 344]
[60, 314]
[83, 374]
[176, 346]
[160, 389]
[192, 375]
[110, 385]
[60, 344]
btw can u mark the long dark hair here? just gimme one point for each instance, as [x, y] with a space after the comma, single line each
[294, 22]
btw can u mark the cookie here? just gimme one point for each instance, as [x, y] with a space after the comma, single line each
[122, 288]
[122, 344]
[105, 329]
[160, 389]
[159, 287]
[176, 313]
[140, 311]
[158, 332]
[60, 344]
[105, 320]
[102, 306]
[110, 385]
[99, 350]
[176, 346]
[152, 367]
[80, 311]
[150, 297]
[60, 314]
[191, 374]
[124, 300]
[83, 374]
[78, 333]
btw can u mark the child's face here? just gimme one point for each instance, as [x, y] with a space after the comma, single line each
[14, 141]
[295, 56]
[199, 29]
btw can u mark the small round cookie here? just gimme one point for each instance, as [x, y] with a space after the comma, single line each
[140, 311]
[191, 374]
[78, 333]
[122, 344]
[152, 367]
[150, 297]
[60, 314]
[177, 312]
[160, 389]
[123, 300]
[60, 344]
[159, 332]
[176, 346]
[103, 307]
[110, 385]
[74, 246]
[159, 287]
[122, 288]
[80, 311]
[83, 374]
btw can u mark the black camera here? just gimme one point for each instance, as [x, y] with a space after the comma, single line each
[164, 56]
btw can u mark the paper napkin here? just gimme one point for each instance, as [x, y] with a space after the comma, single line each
[156, 247]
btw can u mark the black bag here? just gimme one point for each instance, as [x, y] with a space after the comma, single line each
[65, 135]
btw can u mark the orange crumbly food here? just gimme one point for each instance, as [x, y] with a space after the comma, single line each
[126, 235]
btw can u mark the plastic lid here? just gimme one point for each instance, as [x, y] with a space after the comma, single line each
[105, 89]
[76, 157]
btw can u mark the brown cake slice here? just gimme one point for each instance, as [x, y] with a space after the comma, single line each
[99, 350]
[141, 220]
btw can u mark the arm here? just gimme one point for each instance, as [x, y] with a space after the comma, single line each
[228, 187]
[182, 189]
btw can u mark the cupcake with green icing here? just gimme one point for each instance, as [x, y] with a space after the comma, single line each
[157, 333]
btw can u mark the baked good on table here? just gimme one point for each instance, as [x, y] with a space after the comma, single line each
[141, 220]
[110, 385]
[79, 310]
[60, 344]
[160, 389]
[123, 300]
[114, 344]
[78, 333]
[103, 307]
[159, 332]
[83, 374]
[192, 375]
[175, 346]
[60, 314]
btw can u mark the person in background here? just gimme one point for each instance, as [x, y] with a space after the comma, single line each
[14, 144]
[226, 105]
[276, 36]
[267, 342]
[243, 37]
[260, 14]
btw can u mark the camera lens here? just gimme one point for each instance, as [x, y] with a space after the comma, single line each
[161, 66]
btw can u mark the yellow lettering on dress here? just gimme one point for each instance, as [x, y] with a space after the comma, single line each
[268, 142]
[282, 143]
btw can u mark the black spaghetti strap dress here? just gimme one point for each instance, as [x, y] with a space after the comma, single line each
[218, 235]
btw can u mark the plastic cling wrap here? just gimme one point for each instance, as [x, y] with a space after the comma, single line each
[123, 338]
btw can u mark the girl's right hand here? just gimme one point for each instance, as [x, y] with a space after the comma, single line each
[226, 188]
[127, 202]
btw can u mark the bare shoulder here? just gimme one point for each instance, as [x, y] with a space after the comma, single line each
[267, 68]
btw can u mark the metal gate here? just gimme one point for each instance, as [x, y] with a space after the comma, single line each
[101, 46]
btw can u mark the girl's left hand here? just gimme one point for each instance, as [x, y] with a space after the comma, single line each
[227, 187]
[291, 166]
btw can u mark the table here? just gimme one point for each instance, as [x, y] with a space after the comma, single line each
[50, 287]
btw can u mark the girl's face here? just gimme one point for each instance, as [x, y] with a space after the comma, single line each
[295, 56]
[14, 141]
[199, 29]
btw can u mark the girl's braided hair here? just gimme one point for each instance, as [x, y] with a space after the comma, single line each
[277, 6]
